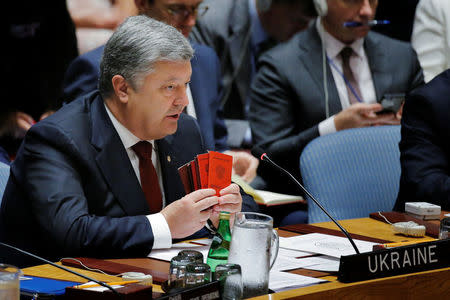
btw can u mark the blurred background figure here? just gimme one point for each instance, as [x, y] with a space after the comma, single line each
[39, 44]
[95, 20]
[431, 36]
[240, 31]
[400, 14]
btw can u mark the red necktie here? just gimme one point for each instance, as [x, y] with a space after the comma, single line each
[346, 53]
[149, 178]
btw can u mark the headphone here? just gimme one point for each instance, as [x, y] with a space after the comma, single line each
[320, 5]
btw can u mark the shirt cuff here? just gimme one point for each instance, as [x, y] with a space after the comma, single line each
[162, 237]
[327, 126]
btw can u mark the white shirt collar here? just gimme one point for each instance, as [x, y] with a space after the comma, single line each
[127, 137]
[334, 46]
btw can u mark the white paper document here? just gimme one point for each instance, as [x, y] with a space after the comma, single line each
[280, 281]
[325, 244]
[321, 263]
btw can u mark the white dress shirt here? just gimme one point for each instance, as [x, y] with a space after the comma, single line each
[190, 108]
[160, 228]
[360, 69]
[431, 36]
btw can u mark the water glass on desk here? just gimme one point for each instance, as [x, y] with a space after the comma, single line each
[177, 271]
[197, 274]
[230, 278]
[194, 255]
[9, 282]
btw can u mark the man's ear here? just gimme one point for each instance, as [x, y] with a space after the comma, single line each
[121, 88]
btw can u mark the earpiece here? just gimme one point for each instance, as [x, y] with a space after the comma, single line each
[321, 7]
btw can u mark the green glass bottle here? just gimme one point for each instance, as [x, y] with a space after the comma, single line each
[220, 246]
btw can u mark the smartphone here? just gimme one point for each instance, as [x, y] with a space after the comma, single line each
[391, 103]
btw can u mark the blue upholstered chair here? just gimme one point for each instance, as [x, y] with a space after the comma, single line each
[4, 175]
[352, 173]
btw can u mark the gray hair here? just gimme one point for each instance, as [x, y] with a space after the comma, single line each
[135, 47]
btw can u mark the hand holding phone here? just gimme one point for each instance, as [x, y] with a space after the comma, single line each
[391, 103]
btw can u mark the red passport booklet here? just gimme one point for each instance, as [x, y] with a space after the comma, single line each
[208, 170]
[220, 168]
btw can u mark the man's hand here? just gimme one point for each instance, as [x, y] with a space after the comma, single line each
[230, 200]
[244, 164]
[190, 213]
[16, 124]
[363, 115]
[46, 114]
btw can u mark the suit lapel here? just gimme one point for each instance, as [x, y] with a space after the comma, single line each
[240, 27]
[378, 59]
[114, 163]
[311, 56]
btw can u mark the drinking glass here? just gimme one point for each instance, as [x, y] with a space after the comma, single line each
[193, 255]
[177, 271]
[230, 278]
[197, 274]
[9, 282]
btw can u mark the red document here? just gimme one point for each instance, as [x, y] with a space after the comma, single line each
[220, 168]
[203, 169]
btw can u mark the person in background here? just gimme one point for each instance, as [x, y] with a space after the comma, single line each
[204, 89]
[240, 31]
[290, 105]
[95, 20]
[425, 146]
[99, 177]
[39, 43]
[431, 36]
[400, 14]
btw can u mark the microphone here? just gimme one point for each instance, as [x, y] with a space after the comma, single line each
[62, 268]
[258, 152]
[370, 23]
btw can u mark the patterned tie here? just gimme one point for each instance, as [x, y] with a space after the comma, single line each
[346, 53]
[149, 178]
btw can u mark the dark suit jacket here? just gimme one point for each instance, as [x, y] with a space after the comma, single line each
[287, 100]
[425, 145]
[73, 191]
[83, 74]
[224, 28]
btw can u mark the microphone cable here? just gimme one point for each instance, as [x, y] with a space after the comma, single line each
[64, 268]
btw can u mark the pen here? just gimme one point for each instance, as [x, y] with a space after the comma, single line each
[368, 23]
[110, 283]
[396, 244]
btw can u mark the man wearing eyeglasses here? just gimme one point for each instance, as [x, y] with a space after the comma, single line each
[204, 89]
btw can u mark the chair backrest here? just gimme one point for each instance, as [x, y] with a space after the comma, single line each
[352, 173]
[4, 175]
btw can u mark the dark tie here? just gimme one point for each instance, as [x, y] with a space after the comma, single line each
[346, 53]
[149, 178]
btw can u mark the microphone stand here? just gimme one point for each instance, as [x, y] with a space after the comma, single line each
[266, 158]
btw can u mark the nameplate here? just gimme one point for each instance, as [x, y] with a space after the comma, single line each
[208, 291]
[395, 261]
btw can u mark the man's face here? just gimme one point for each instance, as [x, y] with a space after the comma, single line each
[341, 11]
[153, 109]
[180, 14]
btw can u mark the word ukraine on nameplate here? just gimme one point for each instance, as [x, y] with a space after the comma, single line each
[395, 261]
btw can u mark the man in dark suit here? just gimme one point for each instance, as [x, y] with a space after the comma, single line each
[86, 181]
[425, 145]
[204, 89]
[239, 31]
[290, 105]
